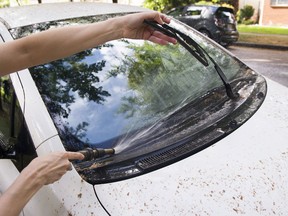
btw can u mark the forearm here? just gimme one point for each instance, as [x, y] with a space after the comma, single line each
[62, 42]
[59, 43]
[41, 171]
[19, 193]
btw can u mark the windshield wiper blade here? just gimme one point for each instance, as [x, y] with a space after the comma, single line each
[197, 52]
[182, 39]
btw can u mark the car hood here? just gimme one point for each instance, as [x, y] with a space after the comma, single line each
[244, 173]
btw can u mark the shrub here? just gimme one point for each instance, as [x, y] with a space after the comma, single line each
[4, 3]
[245, 13]
[248, 22]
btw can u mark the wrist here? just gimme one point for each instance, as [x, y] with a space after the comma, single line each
[33, 177]
[33, 173]
[117, 28]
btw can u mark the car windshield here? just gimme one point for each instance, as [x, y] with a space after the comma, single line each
[132, 95]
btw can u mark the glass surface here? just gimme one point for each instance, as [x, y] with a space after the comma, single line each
[131, 95]
[11, 117]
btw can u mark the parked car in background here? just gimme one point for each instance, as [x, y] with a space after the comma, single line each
[195, 130]
[215, 22]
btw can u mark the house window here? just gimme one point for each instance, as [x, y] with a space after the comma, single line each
[279, 2]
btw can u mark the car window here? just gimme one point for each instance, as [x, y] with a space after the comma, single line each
[10, 117]
[15, 140]
[153, 104]
[193, 11]
[206, 12]
[176, 12]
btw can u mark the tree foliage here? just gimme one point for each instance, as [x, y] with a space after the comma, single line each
[245, 13]
[4, 3]
[165, 5]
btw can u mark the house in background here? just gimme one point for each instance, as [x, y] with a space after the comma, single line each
[256, 4]
[268, 12]
[274, 12]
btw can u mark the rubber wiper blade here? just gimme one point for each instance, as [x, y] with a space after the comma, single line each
[198, 52]
[182, 39]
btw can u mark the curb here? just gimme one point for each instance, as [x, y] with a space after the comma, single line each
[263, 46]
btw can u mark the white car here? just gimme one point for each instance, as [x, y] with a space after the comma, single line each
[195, 130]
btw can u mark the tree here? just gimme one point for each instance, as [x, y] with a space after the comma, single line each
[165, 5]
[56, 79]
[4, 3]
[151, 72]
[235, 4]
[246, 13]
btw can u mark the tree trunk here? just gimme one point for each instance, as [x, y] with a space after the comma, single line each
[235, 4]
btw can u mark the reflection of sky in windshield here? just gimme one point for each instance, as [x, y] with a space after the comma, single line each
[104, 121]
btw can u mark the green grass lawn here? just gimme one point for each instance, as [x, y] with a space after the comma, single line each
[262, 29]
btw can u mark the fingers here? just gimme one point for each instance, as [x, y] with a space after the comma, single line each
[69, 168]
[163, 19]
[74, 156]
[162, 39]
[51, 167]
[134, 27]
[60, 164]
[158, 17]
[158, 37]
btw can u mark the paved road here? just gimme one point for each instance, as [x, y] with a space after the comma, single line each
[271, 63]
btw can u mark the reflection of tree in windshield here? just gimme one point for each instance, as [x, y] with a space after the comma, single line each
[56, 81]
[159, 77]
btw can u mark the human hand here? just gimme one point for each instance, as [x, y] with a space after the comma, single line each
[134, 27]
[52, 167]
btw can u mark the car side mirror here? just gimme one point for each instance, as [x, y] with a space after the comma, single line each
[7, 153]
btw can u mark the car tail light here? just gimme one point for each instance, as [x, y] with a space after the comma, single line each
[219, 22]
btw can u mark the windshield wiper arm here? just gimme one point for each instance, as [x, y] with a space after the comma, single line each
[182, 39]
[197, 52]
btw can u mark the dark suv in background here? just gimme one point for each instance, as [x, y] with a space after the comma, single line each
[215, 22]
